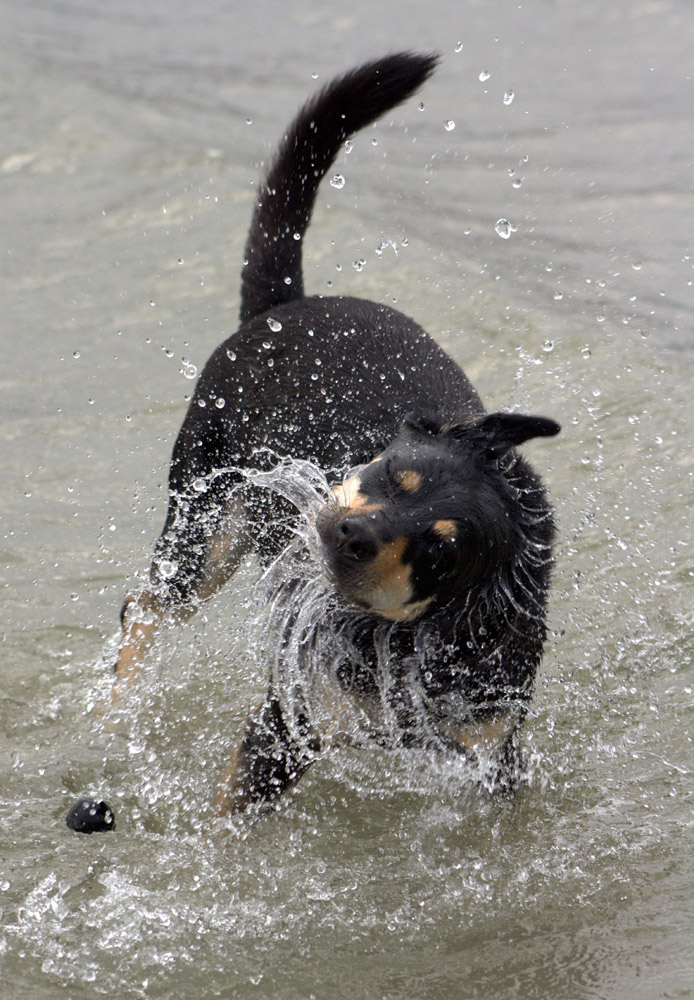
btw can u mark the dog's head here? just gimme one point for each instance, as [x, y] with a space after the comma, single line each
[429, 517]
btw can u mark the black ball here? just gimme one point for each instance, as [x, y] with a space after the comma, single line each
[90, 816]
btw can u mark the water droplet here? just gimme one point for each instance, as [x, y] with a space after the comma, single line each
[420, 106]
[637, 266]
[287, 280]
[358, 265]
[548, 346]
[274, 324]
[517, 182]
[249, 121]
[449, 125]
[76, 354]
[508, 97]
[231, 354]
[338, 181]
[459, 47]
[297, 236]
[504, 228]
[189, 370]
[74, 597]
[167, 568]
[585, 352]
[220, 403]
[200, 485]
[558, 296]
[600, 318]
[484, 76]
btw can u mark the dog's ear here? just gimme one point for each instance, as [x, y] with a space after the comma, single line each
[494, 432]
[501, 431]
[423, 423]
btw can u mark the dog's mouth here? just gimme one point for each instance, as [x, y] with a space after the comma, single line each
[367, 567]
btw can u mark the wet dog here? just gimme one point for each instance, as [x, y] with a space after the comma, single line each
[437, 548]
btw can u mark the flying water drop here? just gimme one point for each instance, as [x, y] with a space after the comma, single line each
[504, 228]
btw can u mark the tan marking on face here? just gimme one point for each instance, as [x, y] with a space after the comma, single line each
[446, 530]
[408, 480]
[392, 589]
[350, 497]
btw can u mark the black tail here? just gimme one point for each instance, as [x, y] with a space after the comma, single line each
[272, 268]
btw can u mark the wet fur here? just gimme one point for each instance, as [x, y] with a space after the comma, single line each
[438, 548]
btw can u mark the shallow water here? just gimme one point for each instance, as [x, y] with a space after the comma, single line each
[131, 141]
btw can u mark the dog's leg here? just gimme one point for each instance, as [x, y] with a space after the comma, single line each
[498, 741]
[203, 542]
[267, 761]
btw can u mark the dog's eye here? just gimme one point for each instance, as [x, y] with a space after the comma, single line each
[444, 555]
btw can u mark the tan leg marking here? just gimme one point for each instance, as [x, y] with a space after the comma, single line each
[485, 735]
[231, 797]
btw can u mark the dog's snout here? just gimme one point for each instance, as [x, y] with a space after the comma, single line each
[356, 539]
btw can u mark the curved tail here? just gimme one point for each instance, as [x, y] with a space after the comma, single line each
[272, 267]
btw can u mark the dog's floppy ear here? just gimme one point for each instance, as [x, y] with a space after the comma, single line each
[423, 423]
[501, 431]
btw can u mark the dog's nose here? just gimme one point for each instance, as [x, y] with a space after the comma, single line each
[355, 539]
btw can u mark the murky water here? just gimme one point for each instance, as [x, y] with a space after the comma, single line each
[544, 239]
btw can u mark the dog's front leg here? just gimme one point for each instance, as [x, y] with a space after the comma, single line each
[268, 760]
[204, 540]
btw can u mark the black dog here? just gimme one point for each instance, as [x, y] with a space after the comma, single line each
[438, 548]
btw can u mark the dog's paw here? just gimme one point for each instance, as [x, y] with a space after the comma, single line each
[90, 816]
